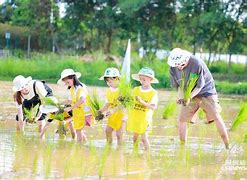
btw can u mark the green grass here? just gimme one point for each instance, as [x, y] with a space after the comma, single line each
[49, 66]
[226, 87]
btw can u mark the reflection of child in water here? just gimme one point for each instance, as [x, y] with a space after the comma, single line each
[64, 118]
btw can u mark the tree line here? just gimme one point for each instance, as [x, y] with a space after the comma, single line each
[213, 26]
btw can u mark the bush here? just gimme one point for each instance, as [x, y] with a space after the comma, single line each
[231, 88]
[49, 66]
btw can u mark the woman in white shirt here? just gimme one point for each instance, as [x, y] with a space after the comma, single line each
[28, 93]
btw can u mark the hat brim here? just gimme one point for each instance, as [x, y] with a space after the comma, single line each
[137, 78]
[48, 109]
[27, 80]
[60, 81]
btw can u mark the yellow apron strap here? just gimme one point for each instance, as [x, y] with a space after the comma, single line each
[71, 90]
[78, 93]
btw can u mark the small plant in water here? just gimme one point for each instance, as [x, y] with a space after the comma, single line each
[169, 110]
[31, 113]
[241, 117]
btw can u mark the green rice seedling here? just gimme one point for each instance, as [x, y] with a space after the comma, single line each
[35, 164]
[169, 110]
[31, 113]
[126, 98]
[241, 116]
[94, 103]
[48, 160]
[102, 160]
[61, 130]
[187, 87]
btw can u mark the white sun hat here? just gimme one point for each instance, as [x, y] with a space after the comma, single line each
[110, 72]
[146, 71]
[178, 56]
[19, 82]
[48, 109]
[68, 72]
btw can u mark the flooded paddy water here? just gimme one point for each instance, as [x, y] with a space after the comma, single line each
[26, 156]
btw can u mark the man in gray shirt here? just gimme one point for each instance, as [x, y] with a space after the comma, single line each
[182, 65]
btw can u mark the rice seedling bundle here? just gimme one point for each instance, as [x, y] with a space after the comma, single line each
[126, 98]
[31, 113]
[187, 87]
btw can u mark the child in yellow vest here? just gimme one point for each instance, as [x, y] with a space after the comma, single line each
[78, 95]
[146, 99]
[116, 118]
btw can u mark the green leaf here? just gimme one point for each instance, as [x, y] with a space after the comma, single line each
[241, 116]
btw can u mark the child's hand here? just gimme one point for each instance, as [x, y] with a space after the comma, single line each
[108, 113]
[139, 99]
[99, 116]
[180, 101]
[67, 109]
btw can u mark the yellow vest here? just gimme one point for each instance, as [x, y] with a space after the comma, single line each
[114, 120]
[138, 121]
[78, 112]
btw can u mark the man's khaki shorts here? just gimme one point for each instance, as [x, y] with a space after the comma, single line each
[210, 106]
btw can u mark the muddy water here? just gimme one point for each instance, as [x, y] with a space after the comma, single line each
[26, 156]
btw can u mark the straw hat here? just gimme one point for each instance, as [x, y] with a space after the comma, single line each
[68, 72]
[178, 56]
[48, 109]
[146, 71]
[110, 72]
[19, 82]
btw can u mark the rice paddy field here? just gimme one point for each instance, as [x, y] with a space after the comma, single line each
[26, 156]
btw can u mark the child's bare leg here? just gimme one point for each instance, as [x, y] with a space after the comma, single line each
[72, 129]
[135, 140]
[41, 124]
[42, 133]
[108, 131]
[79, 135]
[119, 134]
[84, 137]
[145, 140]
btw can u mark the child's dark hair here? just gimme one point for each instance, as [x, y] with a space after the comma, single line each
[116, 77]
[76, 81]
[17, 97]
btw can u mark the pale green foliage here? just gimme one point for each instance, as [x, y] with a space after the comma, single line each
[189, 86]
[50, 102]
[241, 116]
[169, 110]
[125, 91]
[31, 113]
[94, 103]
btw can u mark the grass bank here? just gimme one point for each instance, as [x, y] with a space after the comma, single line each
[49, 66]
